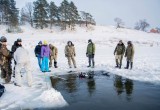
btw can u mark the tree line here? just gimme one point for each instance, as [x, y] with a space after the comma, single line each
[41, 14]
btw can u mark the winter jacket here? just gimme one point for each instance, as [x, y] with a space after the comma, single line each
[129, 52]
[45, 51]
[90, 49]
[21, 55]
[5, 55]
[120, 49]
[15, 46]
[37, 50]
[70, 51]
[54, 51]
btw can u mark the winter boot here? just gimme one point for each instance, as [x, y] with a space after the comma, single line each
[131, 65]
[127, 65]
[50, 66]
[89, 63]
[55, 65]
[93, 65]
[116, 63]
[120, 66]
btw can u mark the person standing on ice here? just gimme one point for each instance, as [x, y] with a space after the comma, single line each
[45, 53]
[17, 44]
[70, 54]
[37, 52]
[129, 54]
[5, 60]
[21, 56]
[53, 55]
[119, 53]
[90, 53]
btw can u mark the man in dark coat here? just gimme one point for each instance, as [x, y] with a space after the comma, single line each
[17, 44]
[37, 52]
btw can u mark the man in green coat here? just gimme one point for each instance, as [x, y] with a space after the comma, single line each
[90, 53]
[129, 54]
[119, 52]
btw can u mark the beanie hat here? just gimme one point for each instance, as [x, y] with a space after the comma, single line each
[89, 40]
[45, 42]
[40, 43]
[19, 40]
[3, 39]
[129, 42]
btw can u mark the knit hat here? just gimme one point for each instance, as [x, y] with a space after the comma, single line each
[3, 39]
[129, 42]
[90, 40]
[40, 43]
[19, 40]
[45, 42]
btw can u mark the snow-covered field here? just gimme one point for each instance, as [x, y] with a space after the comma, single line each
[146, 61]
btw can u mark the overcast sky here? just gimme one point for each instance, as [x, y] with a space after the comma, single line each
[104, 11]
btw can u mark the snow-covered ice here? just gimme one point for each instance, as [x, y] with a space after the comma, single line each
[146, 62]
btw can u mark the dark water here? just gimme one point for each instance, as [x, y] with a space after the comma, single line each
[106, 92]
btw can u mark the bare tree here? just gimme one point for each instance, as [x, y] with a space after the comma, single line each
[29, 10]
[119, 22]
[158, 29]
[23, 17]
[142, 25]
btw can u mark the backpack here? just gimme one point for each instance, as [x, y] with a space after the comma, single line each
[2, 89]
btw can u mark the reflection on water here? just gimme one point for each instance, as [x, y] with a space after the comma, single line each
[118, 83]
[72, 82]
[100, 90]
[91, 86]
[123, 85]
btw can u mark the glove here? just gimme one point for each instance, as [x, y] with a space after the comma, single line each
[86, 54]
[11, 55]
[66, 55]
[92, 55]
[36, 55]
[74, 54]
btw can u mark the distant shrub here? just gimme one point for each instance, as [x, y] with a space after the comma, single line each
[14, 30]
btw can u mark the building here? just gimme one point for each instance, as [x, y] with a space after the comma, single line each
[154, 31]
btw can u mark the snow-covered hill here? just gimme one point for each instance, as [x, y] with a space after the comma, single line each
[146, 61]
